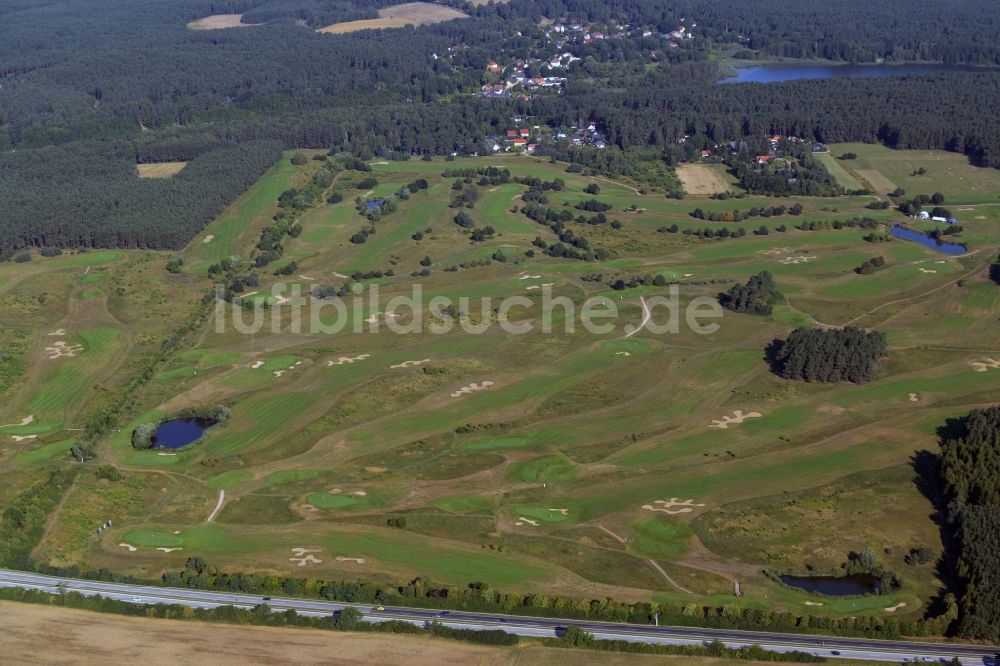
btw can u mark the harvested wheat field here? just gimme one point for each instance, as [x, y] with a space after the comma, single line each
[397, 16]
[100, 638]
[703, 178]
[219, 21]
[160, 169]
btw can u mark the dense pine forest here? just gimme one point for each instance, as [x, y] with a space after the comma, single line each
[970, 470]
[109, 83]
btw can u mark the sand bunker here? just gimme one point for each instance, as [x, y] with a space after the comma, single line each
[813, 603]
[27, 420]
[308, 559]
[306, 277]
[986, 364]
[526, 521]
[685, 506]
[341, 276]
[130, 547]
[257, 364]
[304, 556]
[348, 359]
[562, 511]
[278, 373]
[797, 260]
[208, 239]
[166, 454]
[622, 353]
[61, 349]
[471, 388]
[926, 270]
[359, 493]
[525, 276]
[168, 550]
[737, 417]
[409, 364]
[342, 558]
[893, 609]
[914, 397]
[335, 491]
[21, 438]
[308, 507]
[388, 316]
[777, 250]
[59, 331]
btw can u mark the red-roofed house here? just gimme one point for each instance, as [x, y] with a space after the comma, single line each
[531, 147]
[706, 153]
[764, 159]
[493, 68]
[525, 132]
[520, 143]
[511, 134]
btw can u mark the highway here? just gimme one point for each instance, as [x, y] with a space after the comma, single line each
[826, 646]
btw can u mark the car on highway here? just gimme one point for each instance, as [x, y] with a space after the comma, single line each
[380, 608]
[267, 598]
[136, 599]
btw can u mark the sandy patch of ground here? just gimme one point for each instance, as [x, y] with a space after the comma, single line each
[528, 277]
[777, 250]
[257, 364]
[97, 639]
[359, 493]
[348, 359]
[409, 364]
[914, 397]
[702, 179]
[358, 560]
[306, 277]
[537, 286]
[813, 603]
[219, 21]
[471, 388]
[166, 454]
[168, 550]
[397, 16]
[926, 270]
[27, 420]
[309, 508]
[60, 331]
[208, 239]
[737, 417]
[375, 470]
[562, 511]
[61, 349]
[986, 364]
[797, 260]
[622, 353]
[160, 169]
[893, 609]
[335, 491]
[521, 522]
[130, 547]
[21, 438]
[683, 506]
[341, 276]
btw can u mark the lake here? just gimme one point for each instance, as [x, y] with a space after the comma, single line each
[778, 73]
[834, 586]
[927, 241]
[178, 433]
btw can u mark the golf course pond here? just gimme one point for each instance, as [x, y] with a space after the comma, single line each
[834, 586]
[927, 241]
[178, 433]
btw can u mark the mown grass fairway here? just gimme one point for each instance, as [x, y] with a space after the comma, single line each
[548, 461]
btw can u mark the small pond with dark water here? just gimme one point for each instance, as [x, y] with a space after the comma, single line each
[178, 433]
[927, 241]
[834, 586]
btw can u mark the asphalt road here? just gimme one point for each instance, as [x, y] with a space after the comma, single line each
[847, 648]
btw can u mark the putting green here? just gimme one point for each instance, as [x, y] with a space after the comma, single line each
[463, 503]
